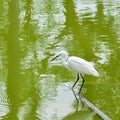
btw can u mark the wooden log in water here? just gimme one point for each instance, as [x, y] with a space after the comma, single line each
[94, 108]
[89, 104]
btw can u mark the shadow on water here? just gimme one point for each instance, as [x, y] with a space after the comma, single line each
[21, 90]
[79, 34]
[13, 80]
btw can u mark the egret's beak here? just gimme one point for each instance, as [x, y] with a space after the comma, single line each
[54, 58]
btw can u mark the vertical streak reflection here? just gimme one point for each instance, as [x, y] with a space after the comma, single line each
[13, 79]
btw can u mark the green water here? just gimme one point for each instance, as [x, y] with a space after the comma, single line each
[31, 32]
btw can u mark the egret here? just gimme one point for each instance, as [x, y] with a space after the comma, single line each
[77, 65]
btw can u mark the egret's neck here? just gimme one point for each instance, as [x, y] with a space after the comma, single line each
[64, 61]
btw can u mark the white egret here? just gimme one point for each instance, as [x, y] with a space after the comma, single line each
[78, 65]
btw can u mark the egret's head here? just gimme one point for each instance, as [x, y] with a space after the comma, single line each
[62, 54]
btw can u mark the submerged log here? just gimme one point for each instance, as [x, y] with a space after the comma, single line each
[88, 104]
[94, 108]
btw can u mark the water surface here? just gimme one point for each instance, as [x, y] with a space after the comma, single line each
[31, 32]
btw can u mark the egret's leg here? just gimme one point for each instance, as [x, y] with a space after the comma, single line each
[76, 81]
[83, 80]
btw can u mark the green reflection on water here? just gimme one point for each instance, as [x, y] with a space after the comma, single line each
[32, 32]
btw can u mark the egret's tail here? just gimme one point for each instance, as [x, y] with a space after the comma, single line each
[96, 73]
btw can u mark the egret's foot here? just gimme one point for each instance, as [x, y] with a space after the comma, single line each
[78, 94]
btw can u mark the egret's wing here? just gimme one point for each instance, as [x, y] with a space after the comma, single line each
[79, 61]
[80, 65]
